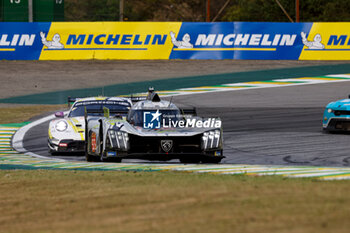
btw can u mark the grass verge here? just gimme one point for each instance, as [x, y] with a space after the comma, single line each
[80, 201]
[19, 114]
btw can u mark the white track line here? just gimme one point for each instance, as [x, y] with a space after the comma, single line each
[17, 140]
[338, 75]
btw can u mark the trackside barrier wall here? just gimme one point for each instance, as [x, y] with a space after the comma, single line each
[174, 40]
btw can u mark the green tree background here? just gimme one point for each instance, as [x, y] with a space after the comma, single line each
[195, 10]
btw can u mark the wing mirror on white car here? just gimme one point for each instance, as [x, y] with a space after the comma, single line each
[59, 114]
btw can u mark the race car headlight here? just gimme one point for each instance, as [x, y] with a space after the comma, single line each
[119, 140]
[61, 126]
[330, 110]
[217, 133]
[126, 136]
[211, 139]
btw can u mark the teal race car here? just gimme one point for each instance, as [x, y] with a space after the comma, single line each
[336, 116]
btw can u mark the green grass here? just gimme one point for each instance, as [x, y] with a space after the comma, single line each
[24, 113]
[77, 201]
[91, 201]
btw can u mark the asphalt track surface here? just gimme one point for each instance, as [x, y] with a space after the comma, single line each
[269, 126]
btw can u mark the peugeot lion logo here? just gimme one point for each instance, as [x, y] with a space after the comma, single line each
[166, 145]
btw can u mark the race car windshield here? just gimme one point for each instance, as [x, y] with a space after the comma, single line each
[139, 117]
[78, 111]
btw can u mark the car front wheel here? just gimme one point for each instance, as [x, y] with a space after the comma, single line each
[207, 159]
[190, 160]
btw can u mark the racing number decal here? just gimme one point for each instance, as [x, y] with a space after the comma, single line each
[93, 142]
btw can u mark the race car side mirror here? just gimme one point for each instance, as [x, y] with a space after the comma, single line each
[59, 114]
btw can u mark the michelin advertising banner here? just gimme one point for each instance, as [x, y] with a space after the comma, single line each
[174, 40]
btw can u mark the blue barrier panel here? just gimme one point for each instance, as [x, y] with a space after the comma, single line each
[21, 41]
[232, 40]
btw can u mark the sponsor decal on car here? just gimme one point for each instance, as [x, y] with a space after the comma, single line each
[156, 120]
[93, 142]
[152, 119]
[166, 145]
[63, 144]
[111, 153]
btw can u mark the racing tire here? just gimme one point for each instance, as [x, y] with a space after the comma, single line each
[91, 158]
[329, 131]
[114, 160]
[190, 160]
[325, 130]
[52, 152]
[207, 159]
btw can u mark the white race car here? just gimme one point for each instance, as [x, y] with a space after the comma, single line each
[67, 133]
[154, 130]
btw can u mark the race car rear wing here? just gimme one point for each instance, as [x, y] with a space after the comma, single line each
[107, 112]
[71, 100]
[135, 99]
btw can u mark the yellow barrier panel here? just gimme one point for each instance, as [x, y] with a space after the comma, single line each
[327, 41]
[108, 40]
